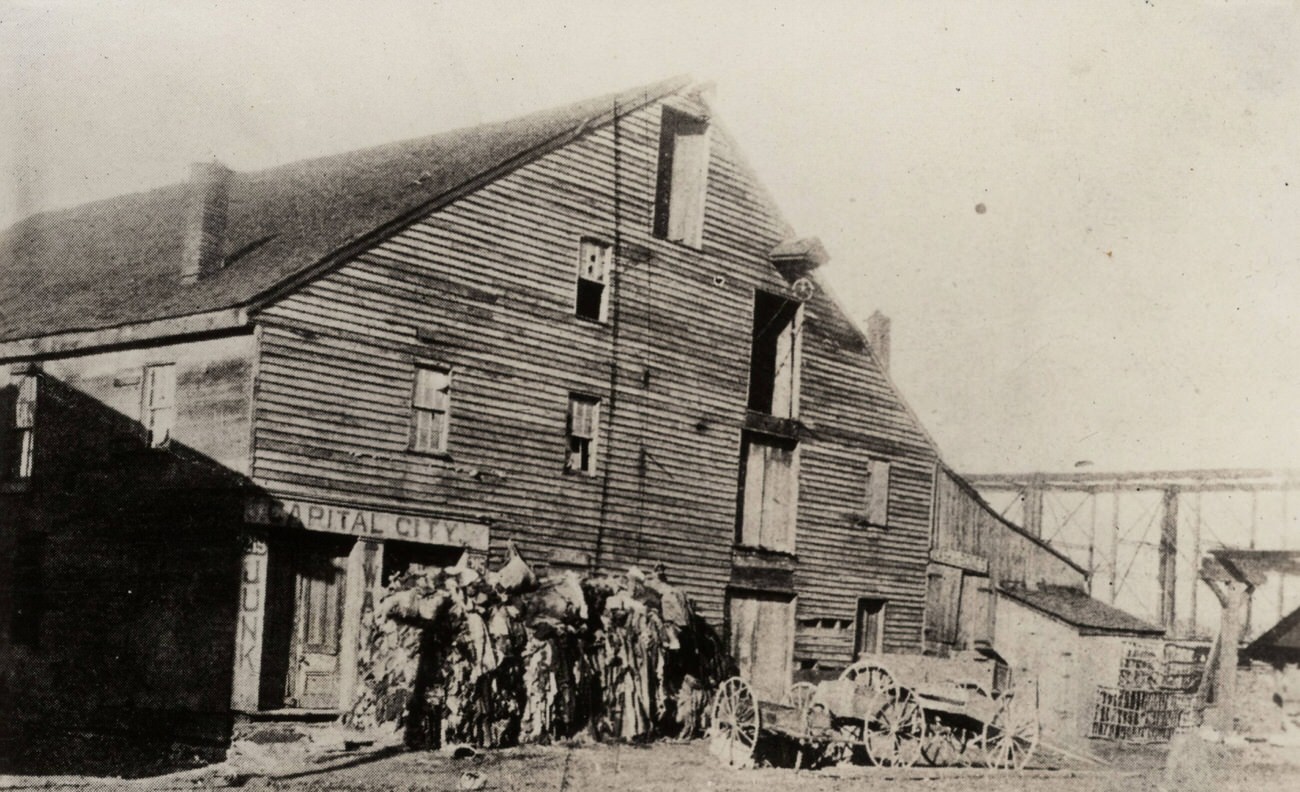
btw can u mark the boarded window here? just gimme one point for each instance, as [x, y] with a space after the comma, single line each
[870, 633]
[683, 175]
[769, 493]
[595, 263]
[430, 410]
[159, 417]
[761, 629]
[582, 431]
[22, 445]
[877, 495]
[774, 356]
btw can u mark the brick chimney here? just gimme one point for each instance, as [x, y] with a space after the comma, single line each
[205, 220]
[878, 338]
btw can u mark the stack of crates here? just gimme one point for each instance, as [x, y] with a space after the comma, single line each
[1156, 694]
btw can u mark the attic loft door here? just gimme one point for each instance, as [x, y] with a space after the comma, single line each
[320, 586]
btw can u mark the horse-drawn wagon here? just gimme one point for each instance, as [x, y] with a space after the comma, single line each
[915, 709]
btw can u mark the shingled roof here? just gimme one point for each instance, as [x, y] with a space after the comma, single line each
[117, 261]
[1076, 608]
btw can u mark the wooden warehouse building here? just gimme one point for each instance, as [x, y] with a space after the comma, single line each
[232, 407]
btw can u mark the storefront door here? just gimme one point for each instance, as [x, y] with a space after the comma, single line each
[321, 584]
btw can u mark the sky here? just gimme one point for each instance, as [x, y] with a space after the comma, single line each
[1125, 300]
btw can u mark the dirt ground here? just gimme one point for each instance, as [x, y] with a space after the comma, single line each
[676, 767]
[687, 767]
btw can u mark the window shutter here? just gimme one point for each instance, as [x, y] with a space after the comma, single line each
[161, 387]
[26, 407]
[583, 420]
[878, 492]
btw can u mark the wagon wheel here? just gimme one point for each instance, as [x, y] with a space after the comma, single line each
[1010, 738]
[955, 742]
[895, 732]
[735, 723]
[800, 696]
[869, 673]
[947, 745]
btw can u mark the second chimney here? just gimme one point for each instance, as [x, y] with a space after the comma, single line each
[878, 338]
[205, 220]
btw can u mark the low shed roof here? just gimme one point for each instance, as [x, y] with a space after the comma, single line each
[1076, 608]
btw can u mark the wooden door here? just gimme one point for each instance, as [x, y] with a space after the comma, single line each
[943, 606]
[770, 494]
[976, 611]
[762, 641]
[318, 628]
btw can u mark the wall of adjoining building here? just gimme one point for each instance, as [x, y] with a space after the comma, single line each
[1067, 665]
[120, 578]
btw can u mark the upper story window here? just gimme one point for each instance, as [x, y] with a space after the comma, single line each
[22, 446]
[595, 265]
[877, 495]
[583, 429]
[430, 410]
[159, 403]
[774, 356]
[683, 175]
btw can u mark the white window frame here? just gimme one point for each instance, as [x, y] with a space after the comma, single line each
[158, 403]
[431, 402]
[582, 437]
[595, 266]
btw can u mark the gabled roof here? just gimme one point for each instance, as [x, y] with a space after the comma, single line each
[1076, 608]
[117, 261]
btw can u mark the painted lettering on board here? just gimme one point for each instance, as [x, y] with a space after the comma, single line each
[367, 523]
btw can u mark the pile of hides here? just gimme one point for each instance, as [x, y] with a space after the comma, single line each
[496, 659]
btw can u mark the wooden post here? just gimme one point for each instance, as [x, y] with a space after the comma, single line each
[1254, 533]
[1034, 509]
[249, 621]
[364, 578]
[1167, 573]
[1196, 560]
[1281, 579]
[1092, 539]
[1233, 596]
[1114, 548]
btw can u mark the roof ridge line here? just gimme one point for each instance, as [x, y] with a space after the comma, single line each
[649, 93]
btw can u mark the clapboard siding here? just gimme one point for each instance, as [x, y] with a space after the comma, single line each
[489, 282]
[964, 523]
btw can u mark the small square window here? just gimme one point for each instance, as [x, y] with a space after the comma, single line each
[431, 410]
[159, 417]
[595, 263]
[583, 429]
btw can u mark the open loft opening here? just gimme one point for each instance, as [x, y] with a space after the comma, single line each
[774, 356]
[683, 174]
